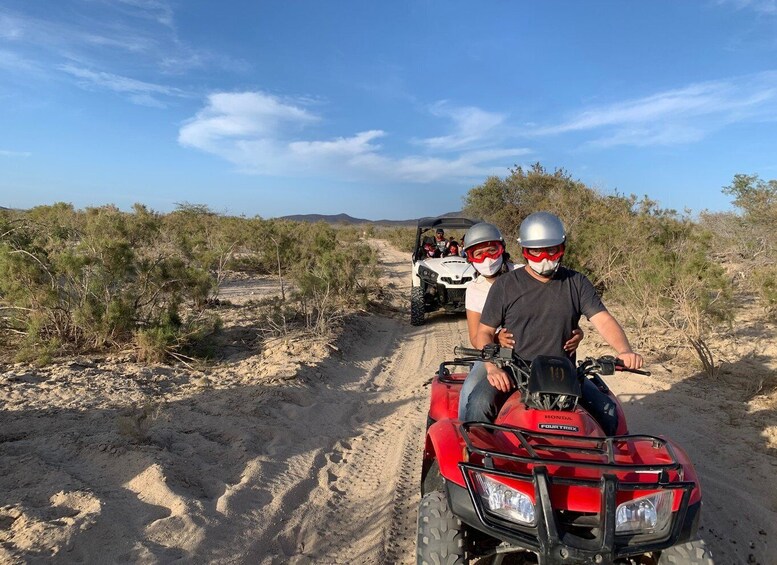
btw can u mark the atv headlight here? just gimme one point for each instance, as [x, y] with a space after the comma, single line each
[646, 515]
[427, 274]
[504, 501]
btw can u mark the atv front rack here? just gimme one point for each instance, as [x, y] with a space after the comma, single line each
[552, 537]
[601, 447]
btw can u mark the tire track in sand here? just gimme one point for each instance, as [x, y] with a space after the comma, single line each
[350, 495]
[380, 487]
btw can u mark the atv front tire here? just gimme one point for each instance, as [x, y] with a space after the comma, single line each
[416, 306]
[691, 553]
[440, 533]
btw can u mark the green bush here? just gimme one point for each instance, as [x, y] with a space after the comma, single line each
[403, 238]
[95, 278]
[765, 281]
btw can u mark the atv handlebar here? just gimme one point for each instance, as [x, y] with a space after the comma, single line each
[468, 351]
[606, 365]
[493, 353]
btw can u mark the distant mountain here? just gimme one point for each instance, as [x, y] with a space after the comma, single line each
[346, 219]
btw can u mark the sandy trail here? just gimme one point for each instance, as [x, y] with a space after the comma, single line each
[304, 453]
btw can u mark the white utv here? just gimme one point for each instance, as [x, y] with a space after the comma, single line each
[439, 282]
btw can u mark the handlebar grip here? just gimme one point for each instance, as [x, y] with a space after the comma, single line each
[637, 371]
[467, 351]
[619, 366]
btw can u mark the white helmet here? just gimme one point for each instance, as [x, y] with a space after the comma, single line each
[481, 233]
[542, 229]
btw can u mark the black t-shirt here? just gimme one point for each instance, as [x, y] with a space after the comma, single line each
[541, 316]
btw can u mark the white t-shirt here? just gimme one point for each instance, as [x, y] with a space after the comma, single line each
[477, 292]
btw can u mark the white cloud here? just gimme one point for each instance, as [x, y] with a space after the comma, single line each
[263, 134]
[470, 126]
[676, 116]
[230, 118]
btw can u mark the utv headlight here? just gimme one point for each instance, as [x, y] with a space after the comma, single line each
[427, 274]
[504, 501]
[646, 515]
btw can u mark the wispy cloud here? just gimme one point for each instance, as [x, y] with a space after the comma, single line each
[156, 10]
[139, 92]
[766, 7]
[17, 63]
[676, 116]
[471, 126]
[264, 134]
[109, 35]
[6, 153]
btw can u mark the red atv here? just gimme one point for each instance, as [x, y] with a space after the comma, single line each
[543, 484]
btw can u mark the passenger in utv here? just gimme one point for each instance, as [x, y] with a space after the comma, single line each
[484, 248]
[540, 306]
[439, 240]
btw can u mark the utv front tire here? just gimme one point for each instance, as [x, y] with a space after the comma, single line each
[691, 553]
[416, 306]
[440, 534]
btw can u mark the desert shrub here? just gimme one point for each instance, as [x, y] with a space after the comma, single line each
[756, 198]
[351, 233]
[332, 275]
[746, 239]
[765, 282]
[403, 238]
[93, 278]
[205, 239]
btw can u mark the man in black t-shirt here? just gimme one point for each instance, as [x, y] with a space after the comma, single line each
[540, 305]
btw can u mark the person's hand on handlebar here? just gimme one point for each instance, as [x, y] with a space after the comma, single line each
[498, 378]
[631, 360]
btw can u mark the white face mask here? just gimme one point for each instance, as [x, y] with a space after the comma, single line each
[545, 268]
[489, 267]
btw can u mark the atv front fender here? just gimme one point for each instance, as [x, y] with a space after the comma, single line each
[445, 445]
[689, 472]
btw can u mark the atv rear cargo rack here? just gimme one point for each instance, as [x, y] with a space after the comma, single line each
[551, 538]
[444, 375]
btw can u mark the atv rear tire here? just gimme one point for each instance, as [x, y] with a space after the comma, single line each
[691, 553]
[440, 534]
[416, 306]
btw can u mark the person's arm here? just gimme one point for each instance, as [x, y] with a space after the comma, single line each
[496, 376]
[609, 328]
[484, 336]
[473, 321]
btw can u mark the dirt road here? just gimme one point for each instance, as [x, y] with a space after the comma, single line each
[304, 452]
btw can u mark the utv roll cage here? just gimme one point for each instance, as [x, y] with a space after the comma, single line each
[430, 224]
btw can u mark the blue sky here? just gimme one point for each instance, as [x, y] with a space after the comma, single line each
[379, 109]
